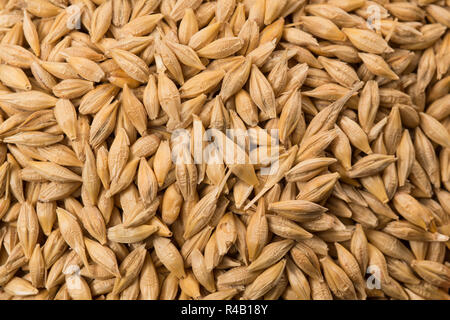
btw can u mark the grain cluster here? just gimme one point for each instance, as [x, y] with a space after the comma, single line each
[355, 204]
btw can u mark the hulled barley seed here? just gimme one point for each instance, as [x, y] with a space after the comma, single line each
[229, 149]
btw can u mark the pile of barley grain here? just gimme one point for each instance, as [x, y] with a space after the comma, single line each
[356, 205]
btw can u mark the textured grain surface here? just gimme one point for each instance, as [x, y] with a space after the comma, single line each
[229, 149]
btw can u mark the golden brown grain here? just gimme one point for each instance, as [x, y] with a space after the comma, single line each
[102, 198]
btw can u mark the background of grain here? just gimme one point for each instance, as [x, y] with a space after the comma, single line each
[356, 204]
